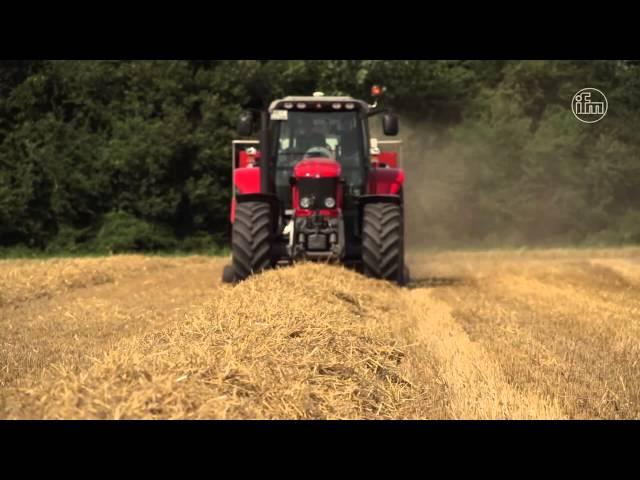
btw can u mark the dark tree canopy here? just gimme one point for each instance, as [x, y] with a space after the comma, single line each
[102, 156]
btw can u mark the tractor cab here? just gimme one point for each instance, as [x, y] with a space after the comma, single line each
[320, 180]
[319, 127]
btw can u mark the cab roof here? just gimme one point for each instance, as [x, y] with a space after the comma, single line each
[362, 106]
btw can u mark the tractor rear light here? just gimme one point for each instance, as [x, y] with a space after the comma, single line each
[288, 106]
[349, 106]
[301, 106]
[337, 106]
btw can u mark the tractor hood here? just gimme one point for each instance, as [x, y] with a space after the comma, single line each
[317, 168]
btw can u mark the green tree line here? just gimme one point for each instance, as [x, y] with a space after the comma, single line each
[112, 156]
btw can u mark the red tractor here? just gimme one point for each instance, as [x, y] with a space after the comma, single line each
[317, 188]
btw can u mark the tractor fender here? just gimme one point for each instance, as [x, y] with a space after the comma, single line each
[246, 180]
[385, 181]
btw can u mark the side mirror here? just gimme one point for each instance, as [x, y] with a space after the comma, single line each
[245, 124]
[390, 125]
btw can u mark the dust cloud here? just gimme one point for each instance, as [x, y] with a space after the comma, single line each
[457, 196]
[437, 186]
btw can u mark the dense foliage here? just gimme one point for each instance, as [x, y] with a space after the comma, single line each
[134, 155]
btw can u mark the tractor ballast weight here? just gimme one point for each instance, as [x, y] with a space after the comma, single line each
[317, 188]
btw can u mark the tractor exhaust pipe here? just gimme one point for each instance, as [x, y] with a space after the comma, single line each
[265, 151]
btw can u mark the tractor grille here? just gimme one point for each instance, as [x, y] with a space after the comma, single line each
[317, 189]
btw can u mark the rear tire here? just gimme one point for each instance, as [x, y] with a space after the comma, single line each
[251, 239]
[228, 275]
[383, 242]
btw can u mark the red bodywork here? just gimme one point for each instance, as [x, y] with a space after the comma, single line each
[245, 180]
[390, 159]
[245, 159]
[384, 178]
[385, 181]
[317, 168]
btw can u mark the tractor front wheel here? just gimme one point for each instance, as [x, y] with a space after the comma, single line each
[251, 239]
[383, 242]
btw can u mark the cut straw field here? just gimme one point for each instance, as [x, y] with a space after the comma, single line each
[526, 335]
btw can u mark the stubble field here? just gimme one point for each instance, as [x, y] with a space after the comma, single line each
[476, 335]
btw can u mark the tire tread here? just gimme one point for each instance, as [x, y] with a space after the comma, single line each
[251, 239]
[383, 242]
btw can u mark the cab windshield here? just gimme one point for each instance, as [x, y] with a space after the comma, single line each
[337, 135]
